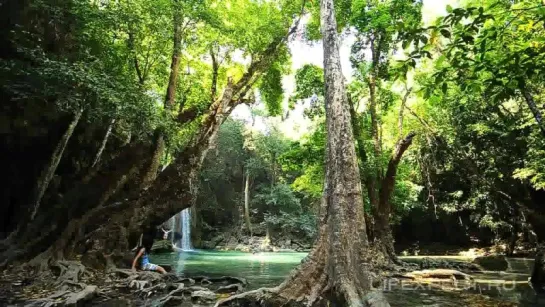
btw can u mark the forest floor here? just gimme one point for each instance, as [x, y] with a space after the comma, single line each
[115, 287]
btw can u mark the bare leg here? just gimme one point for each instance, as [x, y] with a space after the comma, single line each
[161, 270]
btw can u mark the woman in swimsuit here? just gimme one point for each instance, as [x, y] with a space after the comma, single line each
[145, 264]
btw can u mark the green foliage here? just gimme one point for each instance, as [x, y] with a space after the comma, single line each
[284, 211]
[304, 160]
[302, 225]
[277, 198]
[309, 81]
[271, 91]
[381, 25]
[241, 152]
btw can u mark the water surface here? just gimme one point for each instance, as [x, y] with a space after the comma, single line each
[509, 288]
[260, 270]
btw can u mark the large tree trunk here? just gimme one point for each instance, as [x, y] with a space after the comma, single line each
[336, 272]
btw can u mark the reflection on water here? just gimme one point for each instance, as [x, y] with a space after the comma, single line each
[489, 288]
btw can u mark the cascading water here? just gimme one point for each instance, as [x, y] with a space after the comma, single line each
[185, 221]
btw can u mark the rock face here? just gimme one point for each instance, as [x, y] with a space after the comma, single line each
[429, 263]
[255, 244]
[492, 263]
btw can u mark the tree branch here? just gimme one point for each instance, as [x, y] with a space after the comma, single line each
[388, 181]
[135, 59]
[401, 109]
[420, 119]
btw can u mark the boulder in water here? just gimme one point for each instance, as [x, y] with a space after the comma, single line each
[162, 246]
[492, 262]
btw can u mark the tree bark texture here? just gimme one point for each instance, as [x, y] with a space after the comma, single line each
[54, 234]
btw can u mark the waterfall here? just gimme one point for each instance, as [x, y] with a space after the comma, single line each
[185, 221]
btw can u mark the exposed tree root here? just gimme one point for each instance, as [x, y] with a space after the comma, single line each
[68, 271]
[67, 297]
[309, 285]
[230, 289]
[69, 283]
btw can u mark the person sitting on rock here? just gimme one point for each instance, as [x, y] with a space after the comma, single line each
[142, 252]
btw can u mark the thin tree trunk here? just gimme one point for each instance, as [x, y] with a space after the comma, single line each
[513, 240]
[336, 272]
[401, 109]
[383, 232]
[103, 144]
[49, 171]
[533, 107]
[247, 204]
[215, 68]
[373, 100]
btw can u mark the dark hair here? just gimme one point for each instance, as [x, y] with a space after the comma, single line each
[147, 244]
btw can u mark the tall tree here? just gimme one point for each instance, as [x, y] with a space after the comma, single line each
[337, 269]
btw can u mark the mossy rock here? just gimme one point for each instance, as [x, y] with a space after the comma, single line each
[162, 246]
[492, 262]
